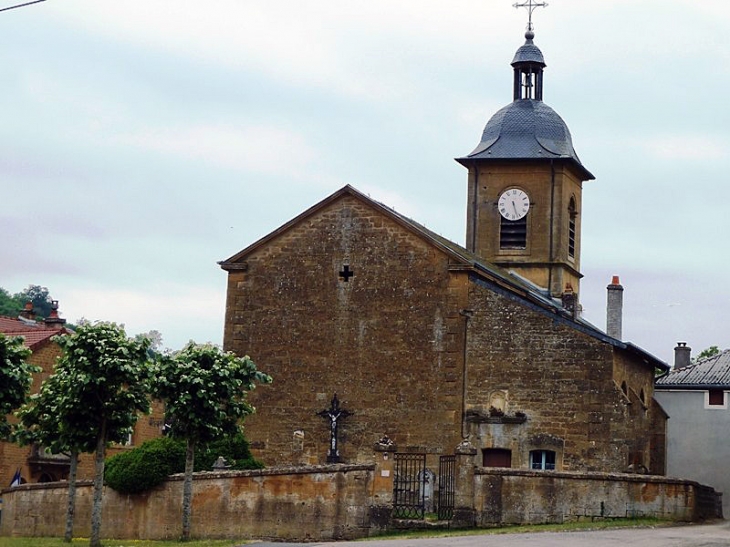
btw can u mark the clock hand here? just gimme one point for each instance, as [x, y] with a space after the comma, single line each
[515, 208]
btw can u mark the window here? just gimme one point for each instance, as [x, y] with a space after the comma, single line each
[496, 457]
[571, 228]
[715, 398]
[542, 459]
[513, 233]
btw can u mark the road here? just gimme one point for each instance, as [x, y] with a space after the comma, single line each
[705, 535]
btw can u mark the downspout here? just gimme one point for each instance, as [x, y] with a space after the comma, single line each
[467, 315]
[552, 222]
[474, 210]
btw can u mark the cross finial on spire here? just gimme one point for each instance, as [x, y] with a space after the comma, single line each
[530, 5]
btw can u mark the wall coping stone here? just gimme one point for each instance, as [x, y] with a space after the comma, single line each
[584, 475]
[226, 474]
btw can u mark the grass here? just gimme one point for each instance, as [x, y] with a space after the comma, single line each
[526, 529]
[79, 542]
[435, 533]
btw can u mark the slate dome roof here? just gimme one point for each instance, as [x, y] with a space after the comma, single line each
[527, 128]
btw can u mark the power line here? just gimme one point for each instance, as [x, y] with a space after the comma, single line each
[21, 5]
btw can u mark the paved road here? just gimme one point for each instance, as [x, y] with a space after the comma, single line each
[706, 535]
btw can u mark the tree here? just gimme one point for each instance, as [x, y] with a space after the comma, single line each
[707, 353]
[47, 421]
[10, 306]
[16, 377]
[107, 386]
[204, 391]
[39, 296]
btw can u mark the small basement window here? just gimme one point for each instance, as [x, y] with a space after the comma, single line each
[542, 459]
[496, 457]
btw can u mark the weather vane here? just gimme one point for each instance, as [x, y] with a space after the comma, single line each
[530, 5]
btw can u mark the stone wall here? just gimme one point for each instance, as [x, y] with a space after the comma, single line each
[321, 503]
[506, 496]
[297, 504]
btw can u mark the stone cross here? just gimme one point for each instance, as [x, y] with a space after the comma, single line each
[334, 414]
[530, 5]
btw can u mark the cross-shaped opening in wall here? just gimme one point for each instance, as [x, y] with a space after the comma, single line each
[346, 273]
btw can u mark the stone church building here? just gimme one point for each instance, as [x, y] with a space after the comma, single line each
[428, 342]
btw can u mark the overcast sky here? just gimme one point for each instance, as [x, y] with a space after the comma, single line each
[145, 140]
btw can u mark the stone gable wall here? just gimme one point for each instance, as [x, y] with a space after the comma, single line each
[387, 340]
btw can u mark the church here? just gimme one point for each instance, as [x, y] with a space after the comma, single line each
[374, 328]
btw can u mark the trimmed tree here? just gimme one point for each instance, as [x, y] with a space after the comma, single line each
[107, 386]
[204, 391]
[16, 377]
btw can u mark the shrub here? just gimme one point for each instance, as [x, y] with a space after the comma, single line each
[146, 466]
[234, 449]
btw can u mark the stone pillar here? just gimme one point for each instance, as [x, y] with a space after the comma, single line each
[614, 309]
[464, 512]
[381, 498]
[682, 355]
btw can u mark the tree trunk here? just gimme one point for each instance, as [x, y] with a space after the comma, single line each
[187, 503]
[71, 508]
[98, 488]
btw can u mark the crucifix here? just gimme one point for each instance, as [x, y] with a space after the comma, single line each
[530, 5]
[334, 414]
[346, 273]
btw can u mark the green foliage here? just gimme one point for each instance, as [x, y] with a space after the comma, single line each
[234, 449]
[10, 305]
[39, 296]
[107, 384]
[146, 466]
[707, 353]
[204, 390]
[16, 377]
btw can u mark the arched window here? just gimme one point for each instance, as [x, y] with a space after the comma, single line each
[572, 213]
[542, 459]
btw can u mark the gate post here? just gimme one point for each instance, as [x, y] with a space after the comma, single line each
[464, 512]
[381, 499]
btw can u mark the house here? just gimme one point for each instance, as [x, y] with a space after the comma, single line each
[35, 463]
[695, 395]
[373, 327]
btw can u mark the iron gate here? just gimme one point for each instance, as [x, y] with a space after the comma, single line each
[409, 486]
[447, 467]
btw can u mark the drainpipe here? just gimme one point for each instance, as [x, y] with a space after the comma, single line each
[552, 222]
[467, 315]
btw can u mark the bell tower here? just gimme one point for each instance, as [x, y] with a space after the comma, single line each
[525, 183]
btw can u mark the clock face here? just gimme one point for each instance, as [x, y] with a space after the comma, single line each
[513, 204]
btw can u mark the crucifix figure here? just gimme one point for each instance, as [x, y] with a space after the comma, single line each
[334, 414]
[530, 5]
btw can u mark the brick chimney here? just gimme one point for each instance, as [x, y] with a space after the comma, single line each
[682, 355]
[53, 320]
[614, 308]
[27, 312]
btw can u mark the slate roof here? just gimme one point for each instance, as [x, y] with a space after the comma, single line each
[529, 52]
[462, 259]
[35, 334]
[710, 372]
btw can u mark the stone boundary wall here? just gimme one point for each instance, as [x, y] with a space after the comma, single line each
[509, 496]
[313, 503]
